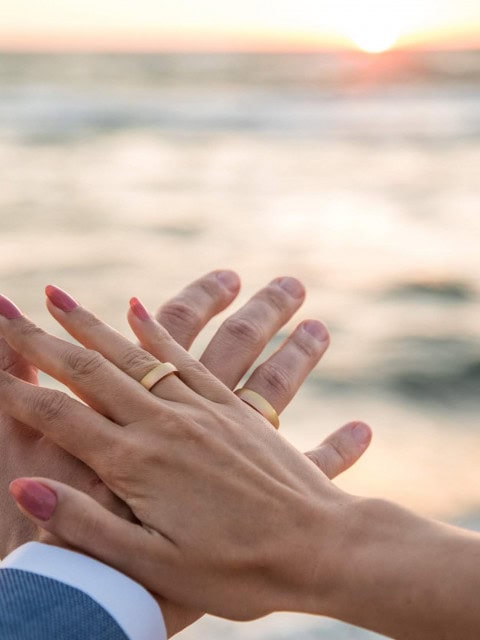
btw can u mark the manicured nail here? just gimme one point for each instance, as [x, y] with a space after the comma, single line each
[8, 309]
[292, 286]
[316, 329]
[60, 299]
[139, 310]
[34, 497]
[229, 280]
[361, 433]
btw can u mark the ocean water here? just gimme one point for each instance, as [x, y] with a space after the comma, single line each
[132, 174]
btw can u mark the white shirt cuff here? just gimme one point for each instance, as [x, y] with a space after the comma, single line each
[129, 604]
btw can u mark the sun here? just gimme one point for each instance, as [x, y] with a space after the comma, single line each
[372, 25]
[374, 40]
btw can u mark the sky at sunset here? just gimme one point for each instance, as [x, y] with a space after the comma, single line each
[372, 25]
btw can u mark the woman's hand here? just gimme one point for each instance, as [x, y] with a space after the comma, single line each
[184, 316]
[230, 352]
[214, 487]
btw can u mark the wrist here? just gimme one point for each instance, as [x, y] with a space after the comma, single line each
[351, 542]
[339, 542]
[394, 574]
[310, 568]
[373, 545]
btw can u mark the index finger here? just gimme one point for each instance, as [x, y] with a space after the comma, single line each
[185, 315]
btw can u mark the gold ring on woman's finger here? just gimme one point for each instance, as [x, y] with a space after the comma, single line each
[159, 371]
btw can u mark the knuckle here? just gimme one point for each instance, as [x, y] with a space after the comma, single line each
[211, 288]
[29, 330]
[276, 298]
[245, 331]
[193, 369]
[89, 321]
[135, 359]
[335, 451]
[316, 457]
[83, 363]
[177, 313]
[187, 431]
[323, 461]
[49, 405]
[276, 380]
[121, 457]
[128, 455]
[308, 348]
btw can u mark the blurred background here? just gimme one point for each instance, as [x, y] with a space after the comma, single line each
[143, 144]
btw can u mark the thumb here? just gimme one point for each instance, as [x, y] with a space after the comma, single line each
[82, 523]
[341, 449]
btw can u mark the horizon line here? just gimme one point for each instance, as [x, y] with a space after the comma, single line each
[171, 42]
[232, 50]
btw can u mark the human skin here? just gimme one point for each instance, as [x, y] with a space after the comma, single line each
[233, 350]
[184, 316]
[232, 519]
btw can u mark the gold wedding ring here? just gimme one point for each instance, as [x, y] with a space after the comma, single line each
[160, 371]
[258, 402]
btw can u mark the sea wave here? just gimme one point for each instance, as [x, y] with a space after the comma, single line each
[427, 97]
[444, 370]
[49, 112]
[432, 290]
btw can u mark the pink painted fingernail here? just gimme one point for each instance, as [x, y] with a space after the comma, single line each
[361, 433]
[34, 497]
[60, 299]
[316, 329]
[139, 310]
[8, 309]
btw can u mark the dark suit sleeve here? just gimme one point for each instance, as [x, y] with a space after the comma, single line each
[33, 607]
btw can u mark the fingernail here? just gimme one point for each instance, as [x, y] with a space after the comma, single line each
[316, 329]
[229, 280]
[8, 309]
[292, 286]
[361, 433]
[60, 299]
[139, 310]
[34, 497]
